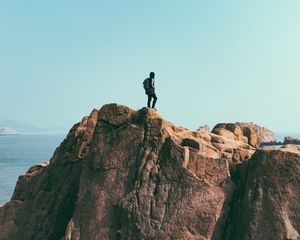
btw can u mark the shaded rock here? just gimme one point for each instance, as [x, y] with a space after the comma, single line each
[46, 194]
[267, 201]
[253, 137]
[189, 142]
[24, 185]
[8, 212]
[240, 154]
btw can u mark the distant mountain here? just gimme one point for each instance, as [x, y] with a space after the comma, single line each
[7, 131]
[26, 128]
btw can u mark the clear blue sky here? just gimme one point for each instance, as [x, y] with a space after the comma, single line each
[215, 61]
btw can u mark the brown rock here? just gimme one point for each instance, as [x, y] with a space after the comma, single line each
[23, 187]
[253, 137]
[225, 133]
[142, 181]
[7, 214]
[267, 201]
[239, 131]
[44, 198]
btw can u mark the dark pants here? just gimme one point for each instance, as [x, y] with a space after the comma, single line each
[151, 94]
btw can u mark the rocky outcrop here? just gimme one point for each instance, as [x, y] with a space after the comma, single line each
[166, 184]
[266, 204]
[124, 174]
[250, 133]
[291, 140]
[265, 135]
[238, 132]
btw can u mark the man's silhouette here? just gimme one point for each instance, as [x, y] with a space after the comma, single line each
[150, 90]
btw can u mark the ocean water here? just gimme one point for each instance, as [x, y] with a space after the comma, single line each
[18, 153]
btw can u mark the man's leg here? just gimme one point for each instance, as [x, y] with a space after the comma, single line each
[149, 100]
[154, 100]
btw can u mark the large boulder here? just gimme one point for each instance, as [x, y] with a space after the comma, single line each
[266, 204]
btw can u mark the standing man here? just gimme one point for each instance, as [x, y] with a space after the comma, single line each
[150, 90]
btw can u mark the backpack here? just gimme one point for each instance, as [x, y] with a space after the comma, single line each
[146, 84]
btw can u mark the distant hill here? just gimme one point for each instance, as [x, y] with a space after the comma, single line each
[26, 128]
[7, 131]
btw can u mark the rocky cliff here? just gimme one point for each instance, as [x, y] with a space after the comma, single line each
[124, 174]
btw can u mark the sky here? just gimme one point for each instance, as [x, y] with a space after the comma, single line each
[215, 61]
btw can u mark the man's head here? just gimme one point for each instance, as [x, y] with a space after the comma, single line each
[152, 75]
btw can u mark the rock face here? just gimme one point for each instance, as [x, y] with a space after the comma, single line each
[124, 174]
[291, 140]
[266, 204]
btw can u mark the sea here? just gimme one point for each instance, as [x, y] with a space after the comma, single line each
[20, 152]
